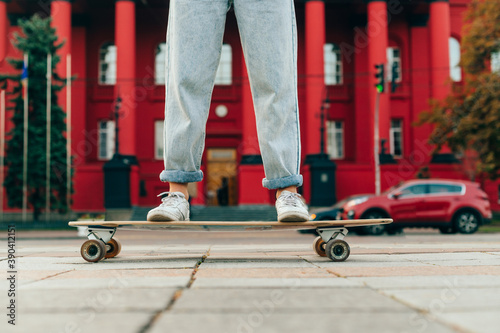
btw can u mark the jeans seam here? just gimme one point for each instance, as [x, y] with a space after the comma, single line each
[292, 16]
[167, 77]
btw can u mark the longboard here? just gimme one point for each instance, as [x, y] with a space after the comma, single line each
[329, 243]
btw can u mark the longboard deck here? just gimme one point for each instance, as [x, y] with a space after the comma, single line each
[229, 225]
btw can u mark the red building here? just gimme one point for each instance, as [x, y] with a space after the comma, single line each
[117, 49]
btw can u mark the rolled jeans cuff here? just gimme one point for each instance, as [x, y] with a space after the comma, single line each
[294, 180]
[176, 176]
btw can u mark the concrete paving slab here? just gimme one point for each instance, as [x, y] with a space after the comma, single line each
[485, 321]
[299, 298]
[125, 273]
[120, 262]
[84, 322]
[264, 321]
[273, 283]
[97, 300]
[449, 298]
[137, 282]
[235, 273]
[288, 262]
[413, 282]
[361, 260]
[425, 257]
[414, 270]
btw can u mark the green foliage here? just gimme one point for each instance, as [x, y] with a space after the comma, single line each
[36, 40]
[467, 121]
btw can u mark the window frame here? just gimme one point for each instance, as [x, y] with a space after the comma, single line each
[335, 77]
[455, 69]
[109, 131]
[391, 59]
[332, 144]
[101, 61]
[392, 132]
[221, 77]
[159, 143]
[158, 51]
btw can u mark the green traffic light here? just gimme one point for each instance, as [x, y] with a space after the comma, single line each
[380, 88]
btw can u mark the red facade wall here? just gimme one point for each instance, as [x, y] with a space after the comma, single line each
[350, 102]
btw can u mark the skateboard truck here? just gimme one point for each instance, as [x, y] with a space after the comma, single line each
[101, 244]
[330, 243]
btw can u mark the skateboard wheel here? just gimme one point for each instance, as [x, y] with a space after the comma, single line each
[337, 250]
[93, 250]
[319, 246]
[113, 248]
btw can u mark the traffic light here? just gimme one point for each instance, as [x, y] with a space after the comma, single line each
[380, 76]
[395, 77]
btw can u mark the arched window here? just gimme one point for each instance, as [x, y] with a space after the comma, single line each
[455, 70]
[160, 56]
[107, 63]
[224, 74]
[394, 64]
[333, 64]
[495, 62]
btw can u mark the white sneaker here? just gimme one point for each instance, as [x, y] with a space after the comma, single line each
[291, 208]
[173, 207]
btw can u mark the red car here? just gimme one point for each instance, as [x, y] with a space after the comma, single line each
[450, 205]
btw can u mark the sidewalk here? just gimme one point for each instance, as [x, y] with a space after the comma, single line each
[255, 282]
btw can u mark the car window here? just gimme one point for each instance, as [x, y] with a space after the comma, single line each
[413, 190]
[444, 188]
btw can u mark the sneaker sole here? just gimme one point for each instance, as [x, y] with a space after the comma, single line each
[161, 217]
[293, 217]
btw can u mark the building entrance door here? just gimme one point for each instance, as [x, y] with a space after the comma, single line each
[221, 186]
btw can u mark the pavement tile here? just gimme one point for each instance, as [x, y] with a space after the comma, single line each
[288, 262]
[296, 298]
[96, 282]
[274, 283]
[418, 281]
[450, 298]
[265, 321]
[78, 322]
[97, 300]
[125, 273]
[414, 270]
[119, 262]
[362, 260]
[301, 272]
[485, 321]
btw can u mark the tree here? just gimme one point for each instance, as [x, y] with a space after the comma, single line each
[37, 40]
[467, 120]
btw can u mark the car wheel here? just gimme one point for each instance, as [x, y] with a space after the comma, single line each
[394, 231]
[374, 230]
[447, 230]
[466, 222]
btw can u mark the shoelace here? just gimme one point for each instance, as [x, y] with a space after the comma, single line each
[166, 196]
[291, 199]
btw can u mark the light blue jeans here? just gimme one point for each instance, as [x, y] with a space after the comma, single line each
[194, 40]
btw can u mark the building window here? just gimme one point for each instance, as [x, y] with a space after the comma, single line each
[495, 62]
[106, 139]
[396, 134]
[335, 139]
[333, 64]
[393, 64]
[107, 63]
[455, 70]
[224, 74]
[159, 139]
[160, 56]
